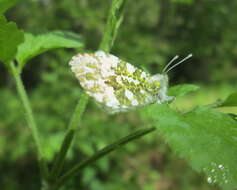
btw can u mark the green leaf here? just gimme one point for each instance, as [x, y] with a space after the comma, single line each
[234, 116]
[10, 38]
[35, 45]
[205, 137]
[231, 100]
[6, 4]
[181, 90]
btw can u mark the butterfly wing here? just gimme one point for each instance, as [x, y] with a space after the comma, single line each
[115, 84]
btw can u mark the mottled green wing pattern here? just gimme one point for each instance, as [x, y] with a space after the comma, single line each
[116, 84]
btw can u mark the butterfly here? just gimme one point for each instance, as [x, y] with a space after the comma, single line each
[117, 85]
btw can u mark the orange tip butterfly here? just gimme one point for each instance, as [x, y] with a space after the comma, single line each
[117, 85]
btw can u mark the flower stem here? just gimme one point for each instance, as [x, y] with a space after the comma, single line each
[30, 118]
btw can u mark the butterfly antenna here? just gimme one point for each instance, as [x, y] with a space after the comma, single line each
[171, 61]
[175, 65]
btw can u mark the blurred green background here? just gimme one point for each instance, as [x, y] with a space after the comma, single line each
[152, 33]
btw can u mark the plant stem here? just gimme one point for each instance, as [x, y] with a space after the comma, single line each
[114, 20]
[30, 118]
[75, 121]
[80, 108]
[114, 146]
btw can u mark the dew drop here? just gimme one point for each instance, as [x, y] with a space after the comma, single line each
[217, 173]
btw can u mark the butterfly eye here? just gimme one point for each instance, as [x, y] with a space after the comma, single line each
[115, 84]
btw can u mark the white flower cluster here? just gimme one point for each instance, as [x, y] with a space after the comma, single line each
[116, 84]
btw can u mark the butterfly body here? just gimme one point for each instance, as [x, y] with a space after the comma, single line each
[117, 85]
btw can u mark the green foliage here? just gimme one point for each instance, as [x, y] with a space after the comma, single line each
[35, 45]
[133, 162]
[231, 100]
[6, 4]
[182, 1]
[183, 89]
[10, 38]
[205, 137]
[152, 39]
[101, 153]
